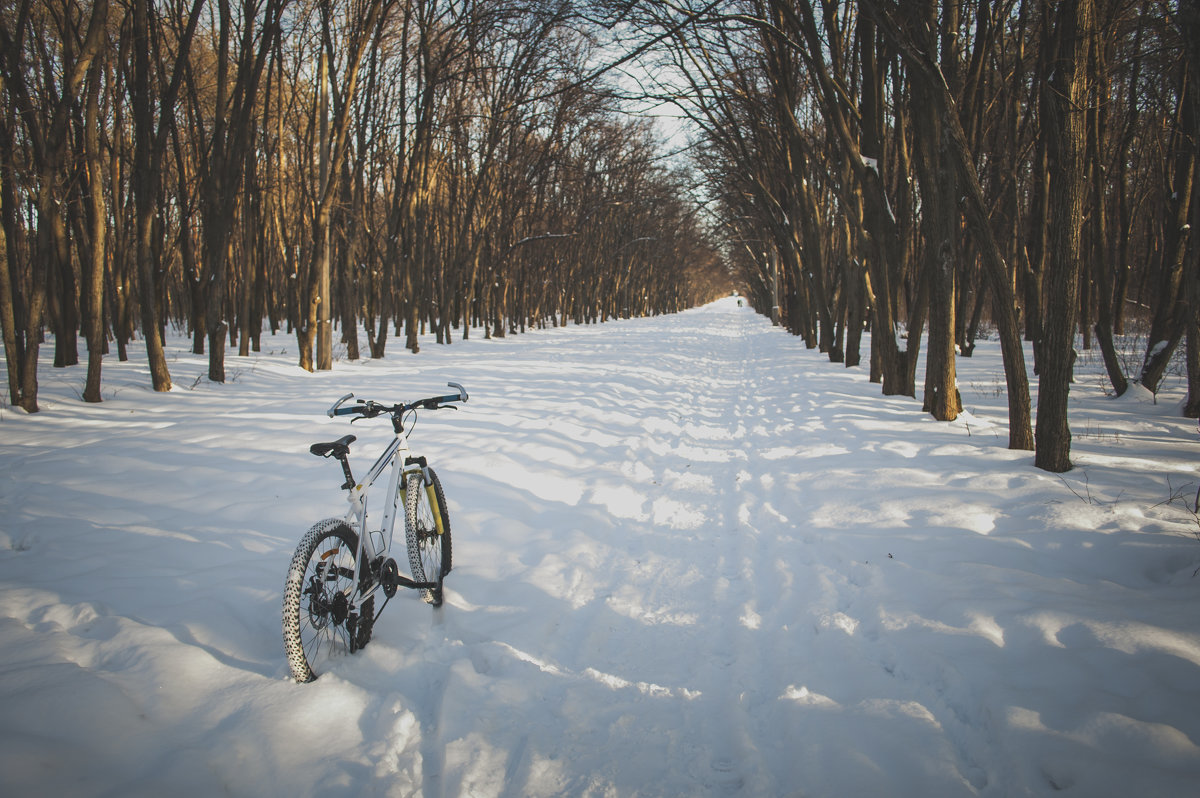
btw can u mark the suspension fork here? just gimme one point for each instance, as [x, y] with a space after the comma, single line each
[415, 464]
[434, 505]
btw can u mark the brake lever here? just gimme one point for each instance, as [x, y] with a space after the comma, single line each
[369, 410]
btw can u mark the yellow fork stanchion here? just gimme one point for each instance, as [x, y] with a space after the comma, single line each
[437, 509]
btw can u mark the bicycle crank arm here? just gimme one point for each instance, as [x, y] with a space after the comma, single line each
[404, 581]
[390, 579]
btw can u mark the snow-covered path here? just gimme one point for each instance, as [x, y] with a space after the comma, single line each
[691, 558]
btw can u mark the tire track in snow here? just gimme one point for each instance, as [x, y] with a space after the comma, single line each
[727, 759]
[743, 768]
[693, 613]
[837, 633]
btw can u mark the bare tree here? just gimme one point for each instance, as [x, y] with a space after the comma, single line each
[150, 131]
[225, 145]
[44, 110]
[96, 233]
[1173, 313]
[939, 214]
[362, 28]
[1064, 127]
[923, 68]
[1189, 28]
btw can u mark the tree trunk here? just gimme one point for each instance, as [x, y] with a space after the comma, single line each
[322, 243]
[97, 217]
[1035, 271]
[65, 288]
[939, 225]
[8, 316]
[1101, 262]
[885, 258]
[1189, 21]
[1064, 125]
[145, 196]
[249, 233]
[1172, 310]
[1191, 407]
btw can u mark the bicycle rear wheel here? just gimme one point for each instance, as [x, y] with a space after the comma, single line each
[427, 532]
[319, 621]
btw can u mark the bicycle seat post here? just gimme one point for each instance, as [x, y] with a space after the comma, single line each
[344, 459]
[339, 449]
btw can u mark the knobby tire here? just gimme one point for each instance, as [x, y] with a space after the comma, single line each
[315, 619]
[429, 554]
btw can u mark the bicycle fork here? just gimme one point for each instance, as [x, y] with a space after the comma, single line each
[435, 506]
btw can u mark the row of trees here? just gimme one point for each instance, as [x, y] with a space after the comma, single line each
[396, 166]
[938, 163]
[406, 165]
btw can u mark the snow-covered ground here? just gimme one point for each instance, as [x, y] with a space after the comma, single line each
[691, 558]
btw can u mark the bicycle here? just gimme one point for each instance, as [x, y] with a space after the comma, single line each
[329, 595]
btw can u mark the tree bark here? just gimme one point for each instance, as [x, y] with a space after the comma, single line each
[97, 217]
[145, 195]
[1064, 125]
[8, 316]
[1101, 262]
[939, 224]
[1189, 23]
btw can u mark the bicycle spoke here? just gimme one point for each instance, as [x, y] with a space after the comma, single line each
[317, 601]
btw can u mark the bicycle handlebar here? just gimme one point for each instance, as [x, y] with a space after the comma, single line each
[336, 409]
[369, 409]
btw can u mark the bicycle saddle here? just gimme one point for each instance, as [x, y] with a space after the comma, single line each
[339, 448]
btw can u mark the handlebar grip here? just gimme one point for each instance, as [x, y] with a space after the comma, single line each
[335, 409]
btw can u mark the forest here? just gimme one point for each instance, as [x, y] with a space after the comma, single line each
[926, 171]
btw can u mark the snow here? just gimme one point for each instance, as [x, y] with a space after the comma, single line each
[691, 558]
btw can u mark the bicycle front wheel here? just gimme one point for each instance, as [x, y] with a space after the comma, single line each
[427, 532]
[320, 620]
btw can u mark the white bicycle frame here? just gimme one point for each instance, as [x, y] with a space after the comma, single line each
[374, 543]
[399, 456]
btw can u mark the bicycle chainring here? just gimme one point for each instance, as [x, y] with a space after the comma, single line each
[389, 577]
